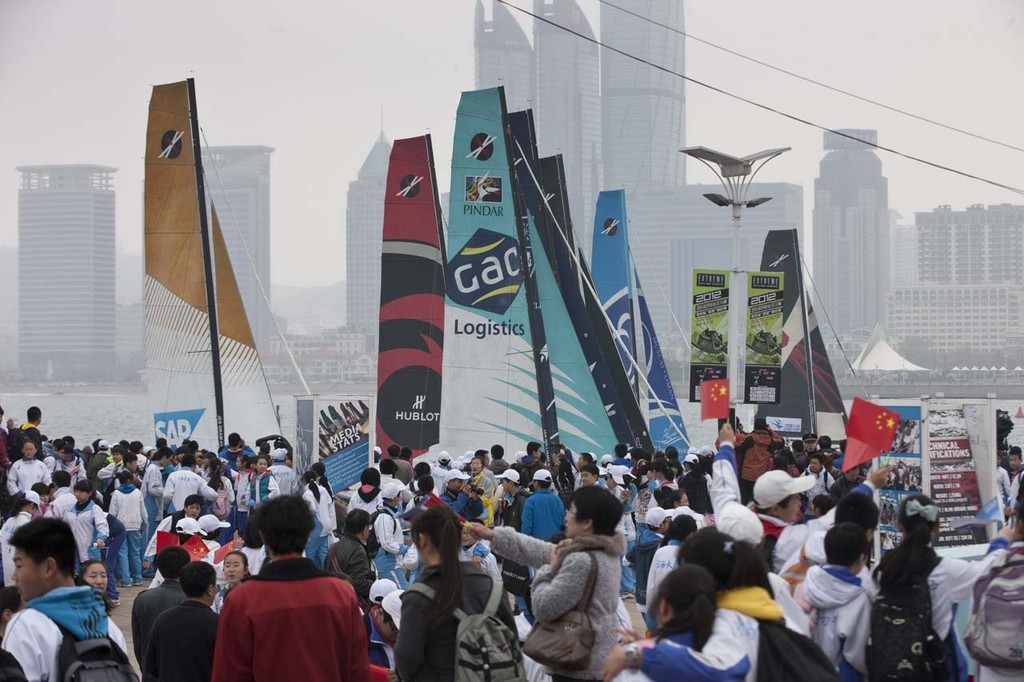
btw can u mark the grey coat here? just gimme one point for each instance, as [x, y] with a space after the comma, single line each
[556, 594]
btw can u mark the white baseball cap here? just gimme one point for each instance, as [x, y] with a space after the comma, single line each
[33, 496]
[605, 459]
[508, 474]
[103, 445]
[188, 526]
[774, 486]
[444, 457]
[707, 451]
[520, 456]
[618, 473]
[692, 458]
[392, 604]
[655, 517]
[279, 455]
[391, 489]
[209, 523]
[740, 522]
[380, 589]
[468, 455]
[542, 475]
[454, 475]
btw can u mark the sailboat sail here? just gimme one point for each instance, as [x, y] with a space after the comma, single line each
[411, 338]
[810, 399]
[667, 426]
[195, 364]
[491, 389]
[583, 421]
[611, 270]
[576, 283]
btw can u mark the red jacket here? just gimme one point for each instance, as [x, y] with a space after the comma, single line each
[291, 622]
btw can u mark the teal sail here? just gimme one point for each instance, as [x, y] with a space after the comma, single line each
[583, 419]
[490, 395]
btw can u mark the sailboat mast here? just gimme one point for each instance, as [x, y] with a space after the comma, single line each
[204, 232]
[808, 348]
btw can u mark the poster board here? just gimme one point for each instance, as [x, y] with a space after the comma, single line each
[337, 430]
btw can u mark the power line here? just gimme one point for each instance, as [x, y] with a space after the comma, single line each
[807, 79]
[764, 107]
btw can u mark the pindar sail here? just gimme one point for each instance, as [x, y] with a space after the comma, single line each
[411, 337]
[490, 391]
[204, 375]
[810, 398]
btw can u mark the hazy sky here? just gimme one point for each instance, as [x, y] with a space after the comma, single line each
[310, 78]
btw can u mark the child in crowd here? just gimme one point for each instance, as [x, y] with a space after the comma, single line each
[44, 491]
[23, 510]
[243, 477]
[94, 574]
[666, 557]
[316, 499]
[236, 569]
[88, 522]
[128, 506]
[479, 554]
[262, 485]
[10, 604]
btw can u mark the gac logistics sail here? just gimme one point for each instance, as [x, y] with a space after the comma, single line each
[482, 330]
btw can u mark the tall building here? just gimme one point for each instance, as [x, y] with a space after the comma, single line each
[238, 179]
[66, 284]
[643, 109]
[851, 231]
[364, 232]
[974, 246]
[503, 55]
[903, 263]
[568, 104]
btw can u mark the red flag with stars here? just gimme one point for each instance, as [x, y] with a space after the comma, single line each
[714, 399]
[196, 548]
[869, 433]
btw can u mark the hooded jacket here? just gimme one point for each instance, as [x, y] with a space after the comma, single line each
[34, 638]
[88, 524]
[844, 617]
[642, 556]
[366, 498]
[127, 505]
[756, 451]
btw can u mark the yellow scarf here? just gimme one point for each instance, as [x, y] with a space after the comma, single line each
[755, 602]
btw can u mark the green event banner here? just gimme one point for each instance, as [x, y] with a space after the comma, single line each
[763, 373]
[709, 329]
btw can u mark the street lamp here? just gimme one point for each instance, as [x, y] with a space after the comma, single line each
[735, 173]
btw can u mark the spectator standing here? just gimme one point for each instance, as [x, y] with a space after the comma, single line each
[128, 507]
[151, 603]
[543, 512]
[182, 640]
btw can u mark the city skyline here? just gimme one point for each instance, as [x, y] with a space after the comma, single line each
[236, 56]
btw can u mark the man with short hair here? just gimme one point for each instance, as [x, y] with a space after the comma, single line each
[182, 640]
[543, 512]
[44, 560]
[260, 619]
[151, 603]
[27, 471]
[589, 475]
[67, 460]
[29, 431]
[347, 557]
[514, 498]
[281, 468]
[498, 463]
[229, 453]
[184, 482]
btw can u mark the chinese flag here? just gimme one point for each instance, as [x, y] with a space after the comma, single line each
[714, 399]
[869, 433]
[218, 556]
[165, 539]
[196, 548]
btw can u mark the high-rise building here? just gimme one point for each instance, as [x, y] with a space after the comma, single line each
[644, 109]
[66, 283]
[903, 264]
[975, 246]
[364, 232]
[568, 104]
[503, 55]
[852, 231]
[238, 179]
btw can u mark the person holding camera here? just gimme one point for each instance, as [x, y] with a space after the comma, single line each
[462, 499]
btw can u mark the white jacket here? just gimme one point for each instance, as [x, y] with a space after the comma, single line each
[663, 563]
[63, 500]
[241, 480]
[35, 640]
[129, 509]
[844, 616]
[87, 525]
[287, 480]
[25, 473]
[318, 509]
[183, 483]
[388, 530]
[153, 483]
[10, 525]
[76, 468]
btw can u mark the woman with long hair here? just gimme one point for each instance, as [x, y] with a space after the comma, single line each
[950, 580]
[685, 644]
[425, 649]
[318, 501]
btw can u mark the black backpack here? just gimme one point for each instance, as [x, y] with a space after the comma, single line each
[902, 644]
[372, 543]
[783, 654]
[10, 669]
[92, 660]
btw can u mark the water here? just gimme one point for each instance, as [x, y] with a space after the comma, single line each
[123, 412]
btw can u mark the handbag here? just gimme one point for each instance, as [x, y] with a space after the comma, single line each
[568, 642]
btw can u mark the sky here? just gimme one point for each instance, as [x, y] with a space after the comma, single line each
[315, 79]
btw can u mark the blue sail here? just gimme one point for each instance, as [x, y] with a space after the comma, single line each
[667, 426]
[610, 268]
[491, 393]
[583, 421]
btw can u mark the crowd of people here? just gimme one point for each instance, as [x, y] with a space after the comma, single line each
[747, 559]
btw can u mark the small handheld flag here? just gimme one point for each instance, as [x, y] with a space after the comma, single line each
[869, 433]
[714, 399]
[165, 539]
[196, 548]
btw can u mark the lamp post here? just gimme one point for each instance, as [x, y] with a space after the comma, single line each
[735, 173]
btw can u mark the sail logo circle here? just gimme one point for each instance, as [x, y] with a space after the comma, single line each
[170, 144]
[409, 186]
[611, 226]
[481, 147]
[486, 273]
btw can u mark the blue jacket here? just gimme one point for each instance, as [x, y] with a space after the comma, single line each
[231, 461]
[465, 506]
[641, 556]
[674, 658]
[543, 514]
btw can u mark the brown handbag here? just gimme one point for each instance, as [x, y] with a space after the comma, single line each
[568, 642]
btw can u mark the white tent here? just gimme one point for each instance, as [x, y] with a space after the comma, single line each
[956, 369]
[1018, 369]
[974, 369]
[880, 356]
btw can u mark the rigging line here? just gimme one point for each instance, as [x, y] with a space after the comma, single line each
[824, 309]
[590, 287]
[765, 107]
[807, 79]
[255, 273]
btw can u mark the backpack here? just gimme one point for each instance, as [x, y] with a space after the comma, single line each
[92, 660]
[222, 506]
[486, 649]
[10, 669]
[993, 633]
[902, 644]
[783, 654]
[372, 543]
